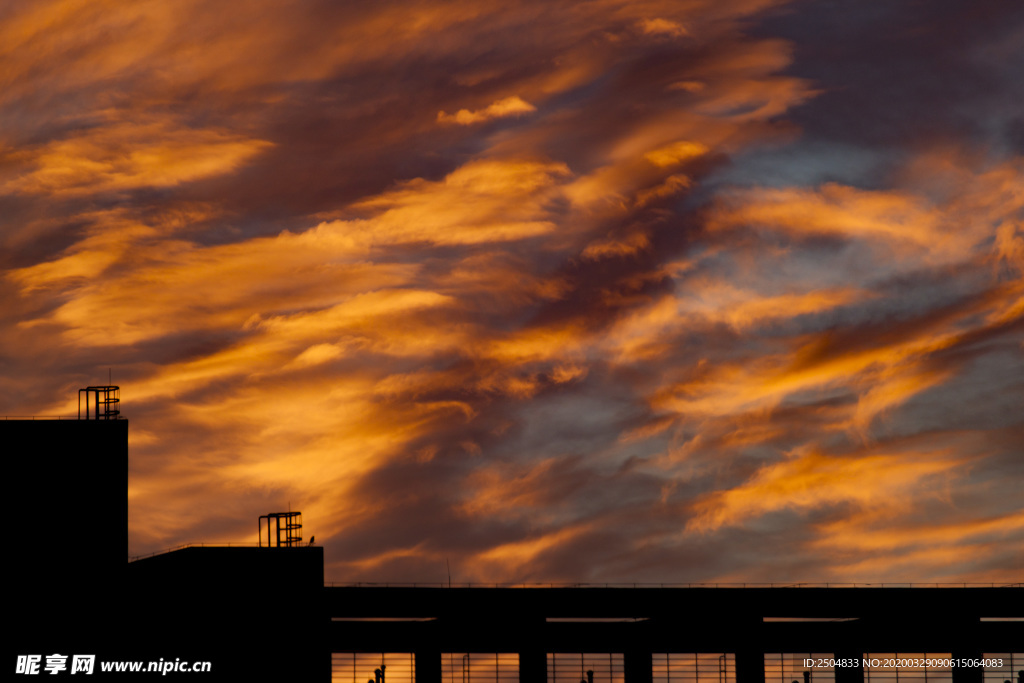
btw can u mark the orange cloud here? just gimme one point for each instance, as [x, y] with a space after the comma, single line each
[663, 27]
[510, 106]
[893, 220]
[483, 201]
[513, 559]
[507, 491]
[765, 382]
[132, 156]
[676, 153]
[605, 248]
[637, 335]
[870, 544]
[813, 480]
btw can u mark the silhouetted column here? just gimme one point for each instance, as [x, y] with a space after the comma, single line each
[968, 675]
[428, 666]
[533, 666]
[848, 674]
[750, 667]
[637, 666]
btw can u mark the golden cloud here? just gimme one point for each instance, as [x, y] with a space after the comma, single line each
[812, 480]
[510, 106]
[131, 156]
[663, 27]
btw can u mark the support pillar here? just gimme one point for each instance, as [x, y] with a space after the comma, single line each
[428, 666]
[533, 667]
[847, 674]
[637, 667]
[974, 674]
[750, 667]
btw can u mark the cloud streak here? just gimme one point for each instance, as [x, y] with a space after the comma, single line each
[510, 106]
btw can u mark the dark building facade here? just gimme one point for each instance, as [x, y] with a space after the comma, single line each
[68, 482]
[748, 624]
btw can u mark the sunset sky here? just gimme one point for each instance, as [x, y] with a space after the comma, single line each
[605, 290]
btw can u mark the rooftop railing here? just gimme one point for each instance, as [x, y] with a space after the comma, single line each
[132, 558]
[39, 417]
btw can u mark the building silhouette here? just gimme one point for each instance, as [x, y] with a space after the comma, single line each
[265, 614]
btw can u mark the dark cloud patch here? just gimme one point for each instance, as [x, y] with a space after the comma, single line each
[895, 74]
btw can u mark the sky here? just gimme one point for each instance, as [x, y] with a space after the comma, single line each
[593, 291]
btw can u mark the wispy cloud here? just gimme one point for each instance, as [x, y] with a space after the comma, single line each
[510, 106]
